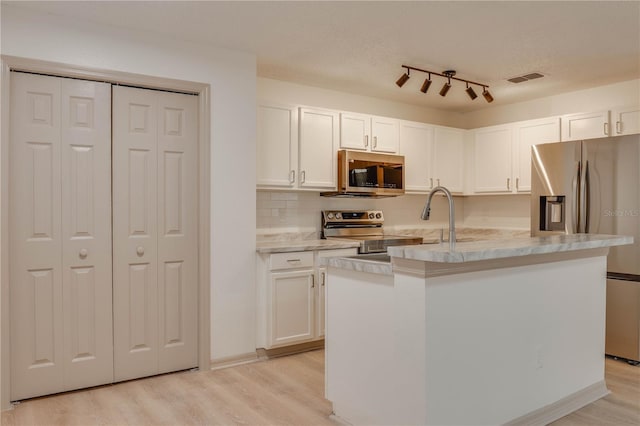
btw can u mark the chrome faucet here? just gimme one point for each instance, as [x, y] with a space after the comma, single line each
[452, 215]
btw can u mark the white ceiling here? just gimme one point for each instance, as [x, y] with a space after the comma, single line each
[359, 47]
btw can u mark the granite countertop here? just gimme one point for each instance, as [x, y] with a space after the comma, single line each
[498, 249]
[303, 245]
[306, 241]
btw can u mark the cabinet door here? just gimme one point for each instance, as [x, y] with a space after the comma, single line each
[526, 135]
[355, 130]
[626, 121]
[318, 144]
[385, 134]
[416, 144]
[585, 126]
[448, 158]
[291, 301]
[492, 160]
[277, 146]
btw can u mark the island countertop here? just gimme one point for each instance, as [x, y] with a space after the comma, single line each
[498, 249]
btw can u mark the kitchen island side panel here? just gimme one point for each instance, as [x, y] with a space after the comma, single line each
[483, 347]
[510, 341]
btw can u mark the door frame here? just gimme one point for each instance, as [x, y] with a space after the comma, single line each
[203, 91]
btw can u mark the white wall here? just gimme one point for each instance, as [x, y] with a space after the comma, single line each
[588, 100]
[232, 77]
[297, 94]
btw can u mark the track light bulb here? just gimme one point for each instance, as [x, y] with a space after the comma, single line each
[471, 92]
[445, 88]
[426, 85]
[487, 95]
[403, 79]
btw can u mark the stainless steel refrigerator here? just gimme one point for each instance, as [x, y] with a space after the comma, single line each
[593, 186]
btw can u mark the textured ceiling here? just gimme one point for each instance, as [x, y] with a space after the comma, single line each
[359, 47]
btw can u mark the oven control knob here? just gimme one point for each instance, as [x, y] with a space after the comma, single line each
[338, 215]
[372, 215]
[329, 215]
[378, 215]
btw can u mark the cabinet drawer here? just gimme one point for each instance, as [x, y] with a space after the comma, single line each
[300, 259]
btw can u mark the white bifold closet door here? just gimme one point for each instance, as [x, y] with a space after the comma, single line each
[155, 238]
[60, 235]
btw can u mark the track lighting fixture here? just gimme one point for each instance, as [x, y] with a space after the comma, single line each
[447, 85]
[449, 75]
[471, 92]
[403, 78]
[487, 95]
[426, 84]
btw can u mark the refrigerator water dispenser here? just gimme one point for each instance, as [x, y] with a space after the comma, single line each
[552, 213]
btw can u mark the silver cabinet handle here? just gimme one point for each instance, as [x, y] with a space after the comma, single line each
[366, 140]
[606, 129]
[83, 253]
[293, 260]
[438, 180]
[517, 184]
[375, 141]
[431, 183]
[509, 184]
[322, 279]
[292, 176]
[313, 281]
[303, 176]
[618, 127]
[140, 251]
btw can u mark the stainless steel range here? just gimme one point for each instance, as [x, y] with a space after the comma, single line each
[364, 226]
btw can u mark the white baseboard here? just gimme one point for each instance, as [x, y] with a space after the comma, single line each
[232, 361]
[567, 405]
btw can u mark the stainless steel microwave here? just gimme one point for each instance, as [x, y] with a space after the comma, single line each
[369, 174]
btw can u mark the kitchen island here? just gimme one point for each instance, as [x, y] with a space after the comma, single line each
[499, 332]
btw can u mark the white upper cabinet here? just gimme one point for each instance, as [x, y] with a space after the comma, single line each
[317, 147]
[385, 134]
[277, 146]
[448, 158]
[355, 130]
[525, 135]
[416, 144]
[296, 149]
[376, 134]
[492, 157]
[625, 121]
[585, 126]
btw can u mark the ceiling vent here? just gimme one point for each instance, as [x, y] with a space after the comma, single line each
[526, 77]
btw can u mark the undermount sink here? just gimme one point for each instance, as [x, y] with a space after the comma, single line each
[374, 257]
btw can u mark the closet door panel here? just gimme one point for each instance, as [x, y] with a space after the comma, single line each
[177, 231]
[86, 232]
[37, 362]
[135, 265]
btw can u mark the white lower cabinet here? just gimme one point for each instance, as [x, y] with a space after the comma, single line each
[290, 297]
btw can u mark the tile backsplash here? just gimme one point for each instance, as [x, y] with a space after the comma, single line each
[298, 211]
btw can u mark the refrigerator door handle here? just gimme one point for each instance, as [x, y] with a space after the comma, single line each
[586, 197]
[576, 199]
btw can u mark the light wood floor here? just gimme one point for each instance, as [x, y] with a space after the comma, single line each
[281, 391]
